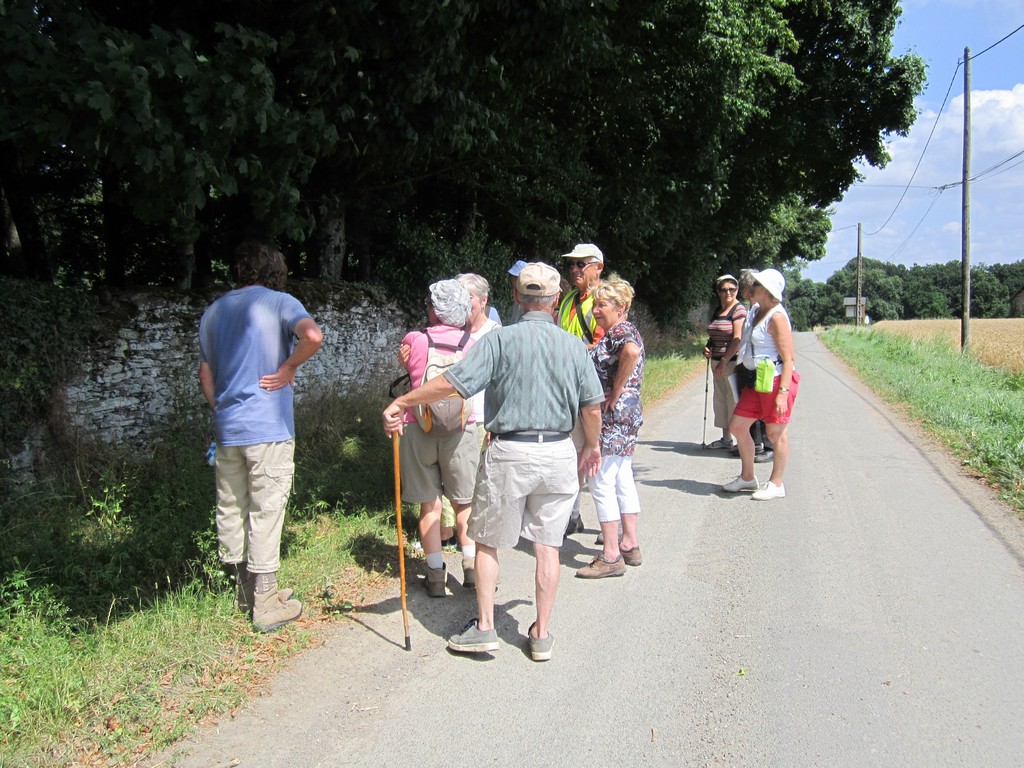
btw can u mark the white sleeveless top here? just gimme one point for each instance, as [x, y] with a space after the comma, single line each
[762, 345]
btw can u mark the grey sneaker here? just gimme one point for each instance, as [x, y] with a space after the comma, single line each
[540, 650]
[764, 457]
[270, 612]
[473, 640]
[738, 484]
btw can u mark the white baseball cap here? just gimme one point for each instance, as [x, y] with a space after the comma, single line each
[585, 251]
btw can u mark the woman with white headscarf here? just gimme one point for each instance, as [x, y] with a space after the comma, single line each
[770, 343]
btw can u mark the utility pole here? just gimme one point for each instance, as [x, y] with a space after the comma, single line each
[965, 226]
[858, 312]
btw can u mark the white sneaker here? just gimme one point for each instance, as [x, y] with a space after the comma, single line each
[769, 491]
[738, 484]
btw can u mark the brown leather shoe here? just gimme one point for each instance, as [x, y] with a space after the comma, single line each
[599, 568]
[632, 556]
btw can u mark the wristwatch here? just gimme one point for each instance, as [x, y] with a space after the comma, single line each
[783, 389]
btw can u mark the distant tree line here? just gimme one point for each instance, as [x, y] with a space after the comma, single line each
[897, 292]
[396, 141]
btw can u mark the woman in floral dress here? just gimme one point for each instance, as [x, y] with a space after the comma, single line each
[619, 359]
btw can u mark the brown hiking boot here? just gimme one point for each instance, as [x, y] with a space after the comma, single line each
[469, 572]
[632, 556]
[599, 568]
[244, 584]
[437, 581]
[245, 588]
[271, 612]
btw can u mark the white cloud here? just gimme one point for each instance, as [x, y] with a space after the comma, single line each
[925, 227]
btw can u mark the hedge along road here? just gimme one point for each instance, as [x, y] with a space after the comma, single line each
[874, 617]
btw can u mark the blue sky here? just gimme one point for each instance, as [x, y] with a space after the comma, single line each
[938, 31]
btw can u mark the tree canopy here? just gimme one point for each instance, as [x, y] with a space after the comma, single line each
[897, 292]
[396, 140]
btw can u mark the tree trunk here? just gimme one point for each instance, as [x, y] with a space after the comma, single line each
[7, 231]
[115, 227]
[204, 262]
[185, 250]
[468, 224]
[31, 260]
[331, 244]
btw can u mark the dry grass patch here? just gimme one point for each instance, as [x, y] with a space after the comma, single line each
[994, 341]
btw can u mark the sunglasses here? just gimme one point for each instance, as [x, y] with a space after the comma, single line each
[581, 264]
[727, 290]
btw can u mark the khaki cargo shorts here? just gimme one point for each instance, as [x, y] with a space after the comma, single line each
[432, 465]
[524, 490]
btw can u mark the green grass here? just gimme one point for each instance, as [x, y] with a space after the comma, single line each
[117, 633]
[664, 373]
[75, 692]
[116, 627]
[975, 410]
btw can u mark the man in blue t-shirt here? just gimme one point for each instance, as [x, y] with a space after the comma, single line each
[247, 364]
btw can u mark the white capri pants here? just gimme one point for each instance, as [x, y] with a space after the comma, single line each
[614, 490]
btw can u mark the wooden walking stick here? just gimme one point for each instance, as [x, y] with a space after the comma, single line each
[401, 540]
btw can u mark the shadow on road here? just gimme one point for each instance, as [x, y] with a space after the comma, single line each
[683, 449]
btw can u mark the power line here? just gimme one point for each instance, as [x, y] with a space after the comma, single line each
[921, 158]
[992, 171]
[932, 133]
[998, 165]
[899, 186]
[997, 42]
[944, 187]
[986, 174]
[1004, 170]
[906, 240]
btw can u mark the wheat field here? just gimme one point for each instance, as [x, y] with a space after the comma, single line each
[997, 342]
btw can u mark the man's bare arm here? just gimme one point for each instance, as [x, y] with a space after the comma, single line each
[433, 390]
[310, 338]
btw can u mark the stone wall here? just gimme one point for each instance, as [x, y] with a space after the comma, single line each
[144, 365]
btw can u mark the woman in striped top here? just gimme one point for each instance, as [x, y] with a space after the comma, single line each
[724, 332]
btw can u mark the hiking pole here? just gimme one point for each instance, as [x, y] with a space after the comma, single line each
[704, 434]
[401, 541]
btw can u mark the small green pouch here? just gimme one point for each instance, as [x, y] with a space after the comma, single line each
[765, 376]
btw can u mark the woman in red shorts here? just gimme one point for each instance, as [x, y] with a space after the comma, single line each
[771, 338]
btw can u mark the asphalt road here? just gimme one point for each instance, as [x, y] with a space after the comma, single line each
[874, 617]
